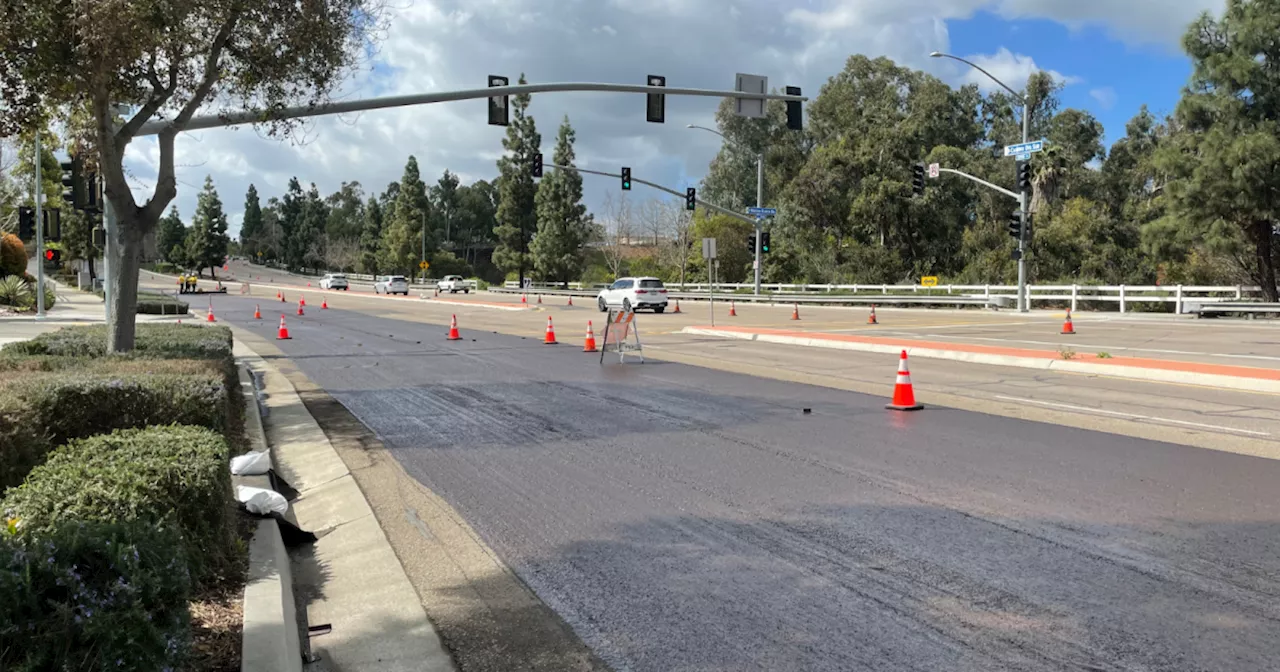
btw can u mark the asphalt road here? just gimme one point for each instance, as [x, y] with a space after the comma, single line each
[682, 518]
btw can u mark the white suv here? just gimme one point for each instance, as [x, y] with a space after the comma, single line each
[334, 281]
[391, 284]
[633, 294]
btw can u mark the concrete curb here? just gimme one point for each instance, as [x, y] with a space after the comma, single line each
[1044, 364]
[350, 578]
[270, 637]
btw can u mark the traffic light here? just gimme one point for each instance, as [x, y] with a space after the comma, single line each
[100, 238]
[1015, 224]
[52, 224]
[1024, 176]
[656, 103]
[53, 256]
[498, 109]
[917, 179]
[764, 242]
[690, 199]
[26, 222]
[626, 178]
[751, 243]
[93, 192]
[536, 167]
[795, 119]
[72, 184]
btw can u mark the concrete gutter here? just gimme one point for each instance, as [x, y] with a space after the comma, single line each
[271, 641]
[1157, 370]
[350, 579]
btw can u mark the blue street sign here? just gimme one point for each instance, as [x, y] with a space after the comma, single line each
[1024, 148]
[1024, 157]
[762, 212]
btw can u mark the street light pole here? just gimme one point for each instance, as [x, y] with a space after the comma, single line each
[1025, 199]
[759, 195]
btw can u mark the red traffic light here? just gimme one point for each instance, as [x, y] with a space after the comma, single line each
[48, 254]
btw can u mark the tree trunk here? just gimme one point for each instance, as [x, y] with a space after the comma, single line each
[124, 288]
[1262, 233]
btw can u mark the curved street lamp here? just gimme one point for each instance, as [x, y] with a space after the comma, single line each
[759, 188]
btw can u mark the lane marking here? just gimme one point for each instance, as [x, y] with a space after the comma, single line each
[1132, 416]
[1106, 348]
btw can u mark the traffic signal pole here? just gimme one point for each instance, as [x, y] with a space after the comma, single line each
[1026, 208]
[659, 187]
[39, 191]
[759, 222]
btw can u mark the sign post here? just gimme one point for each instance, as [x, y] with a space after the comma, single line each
[929, 281]
[709, 254]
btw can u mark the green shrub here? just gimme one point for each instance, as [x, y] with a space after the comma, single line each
[161, 307]
[175, 474]
[41, 411]
[13, 366]
[14, 291]
[151, 340]
[50, 296]
[481, 284]
[93, 596]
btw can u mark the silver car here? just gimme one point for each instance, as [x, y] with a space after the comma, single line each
[391, 284]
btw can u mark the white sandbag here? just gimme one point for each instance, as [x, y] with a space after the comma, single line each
[261, 501]
[251, 464]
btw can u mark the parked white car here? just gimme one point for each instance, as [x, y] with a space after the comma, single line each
[334, 281]
[454, 284]
[391, 284]
[634, 294]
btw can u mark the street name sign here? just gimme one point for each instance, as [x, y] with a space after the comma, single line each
[1024, 148]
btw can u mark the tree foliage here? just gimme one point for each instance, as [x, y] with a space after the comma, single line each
[206, 244]
[563, 223]
[517, 216]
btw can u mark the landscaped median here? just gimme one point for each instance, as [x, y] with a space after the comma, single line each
[1247, 378]
[119, 517]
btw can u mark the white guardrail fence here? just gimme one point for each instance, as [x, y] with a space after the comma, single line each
[1185, 298]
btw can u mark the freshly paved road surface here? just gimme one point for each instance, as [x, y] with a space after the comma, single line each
[681, 518]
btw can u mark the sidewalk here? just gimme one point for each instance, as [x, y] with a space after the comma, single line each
[1136, 368]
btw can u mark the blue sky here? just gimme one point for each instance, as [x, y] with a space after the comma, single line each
[1153, 74]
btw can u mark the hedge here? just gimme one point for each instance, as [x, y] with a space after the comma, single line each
[43, 410]
[93, 596]
[176, 475]
[186, 341]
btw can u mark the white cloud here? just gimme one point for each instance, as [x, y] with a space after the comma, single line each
[1106, 96]
[454, 44]
[1010, 68]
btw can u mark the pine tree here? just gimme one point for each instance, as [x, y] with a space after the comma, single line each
[251, 228]
[370, 236]
[207, 244]
[171, 237]
[563, 223]
[290, 219]
[517, 214]
[306, 239]
[402, 229]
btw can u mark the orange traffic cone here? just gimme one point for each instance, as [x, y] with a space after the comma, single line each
[795, 312]
[871, 319]
[308, 284]
[570, 301]
[732, 311]
[210, 317]
[257, 314]
[590, 344]
[277, 292]
[539, 298]
[677, 307]
[453, 329]
[1067, 327]
[437, 294]
[302, 300]
[551, 333]
[283, 333]
[524, 299]
[281, 295]
[300, 304]
[324, 304]
[904, 397]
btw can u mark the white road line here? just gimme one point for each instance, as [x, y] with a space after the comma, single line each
[1132, 416]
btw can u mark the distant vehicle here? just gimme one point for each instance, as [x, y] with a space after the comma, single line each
[334, 281]
[391, 284]
[633, 294]
[454, 284]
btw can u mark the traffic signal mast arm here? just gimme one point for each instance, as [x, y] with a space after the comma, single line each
[1012, 194]
[342, 107]
[659, 187]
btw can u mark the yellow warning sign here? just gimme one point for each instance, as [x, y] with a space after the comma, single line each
[929, 281]
[424, 265]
